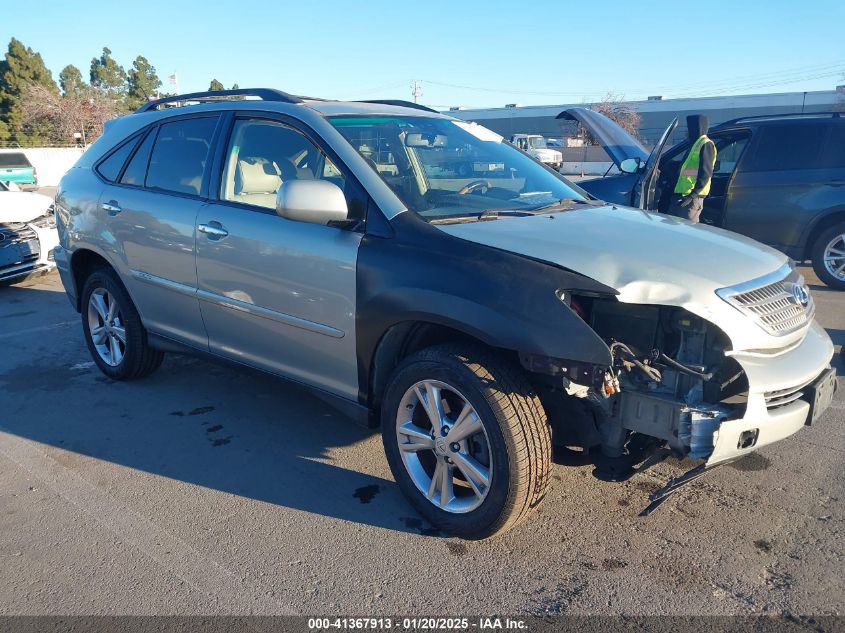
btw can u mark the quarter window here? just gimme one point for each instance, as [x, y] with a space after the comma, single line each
[136, 170]
[263, 155]
[179, 156]
[111, 166]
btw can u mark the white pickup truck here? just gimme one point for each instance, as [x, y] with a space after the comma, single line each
[535, 146]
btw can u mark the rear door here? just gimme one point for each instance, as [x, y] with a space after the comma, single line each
[781, 183]
[150, 215]
[275, 293]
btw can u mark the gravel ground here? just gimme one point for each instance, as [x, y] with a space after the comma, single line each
[203, 490]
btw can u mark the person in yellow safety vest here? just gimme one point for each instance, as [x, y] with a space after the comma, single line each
[696, 171]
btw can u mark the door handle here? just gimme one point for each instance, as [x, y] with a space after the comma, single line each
[112, 207]
[214, 230]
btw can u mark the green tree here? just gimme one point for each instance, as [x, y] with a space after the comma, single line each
[215, 85]
[22, 67]
[235, 87]
[71, 82]
[107, 75]
[142, 82]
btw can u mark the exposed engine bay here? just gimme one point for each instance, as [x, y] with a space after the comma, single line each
[670, 386]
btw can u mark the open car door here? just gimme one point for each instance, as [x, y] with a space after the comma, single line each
[645, 192]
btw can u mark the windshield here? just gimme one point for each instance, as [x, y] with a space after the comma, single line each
[537, 142]
[441, 168]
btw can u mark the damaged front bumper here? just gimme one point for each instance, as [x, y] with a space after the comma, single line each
[780, 386]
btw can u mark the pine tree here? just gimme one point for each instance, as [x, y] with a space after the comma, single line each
[215, 85]
[107, 75]
[70, 80]
[20, 68]
[142, 82]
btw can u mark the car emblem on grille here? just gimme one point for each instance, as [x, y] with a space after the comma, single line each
[801, 295]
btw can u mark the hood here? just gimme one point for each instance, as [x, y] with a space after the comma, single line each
[648, 258]
[22, 206]
[616, 142]
[697, 125]
[545, 152]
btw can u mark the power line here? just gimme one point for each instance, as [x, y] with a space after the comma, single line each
[781, 77]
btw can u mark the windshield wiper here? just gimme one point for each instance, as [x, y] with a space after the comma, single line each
[508, 213]
[487, 214]
[565, 203]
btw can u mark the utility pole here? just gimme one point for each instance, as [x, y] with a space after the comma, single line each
[416, 90]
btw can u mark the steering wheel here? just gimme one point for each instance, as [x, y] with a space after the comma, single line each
[475, 184]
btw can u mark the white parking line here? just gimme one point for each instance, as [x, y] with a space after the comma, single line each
[228, 590]
[43, 328]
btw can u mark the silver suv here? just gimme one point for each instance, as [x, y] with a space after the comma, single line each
[422, 274]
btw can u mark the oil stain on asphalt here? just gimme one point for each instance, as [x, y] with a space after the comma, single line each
[366, 493]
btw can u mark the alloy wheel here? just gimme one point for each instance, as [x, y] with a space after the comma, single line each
[834, 257]
[444, 446]
[107, 328]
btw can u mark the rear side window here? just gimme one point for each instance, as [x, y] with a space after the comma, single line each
[788, 147]
[136, 170]
[111, 166]
[179, 156]
[14, 159]
[833, 156]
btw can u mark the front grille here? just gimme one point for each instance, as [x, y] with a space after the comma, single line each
[780, 303]
[782, 397]
[16, 233]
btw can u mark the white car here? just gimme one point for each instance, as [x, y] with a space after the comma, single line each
[536, 146]
[27, 233]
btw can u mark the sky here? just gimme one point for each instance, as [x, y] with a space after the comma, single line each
[462, 52]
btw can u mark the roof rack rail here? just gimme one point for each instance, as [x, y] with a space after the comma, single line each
[759, 117]
[266, 94]
[400, 102]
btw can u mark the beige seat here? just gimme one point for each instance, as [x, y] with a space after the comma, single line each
[256, 182]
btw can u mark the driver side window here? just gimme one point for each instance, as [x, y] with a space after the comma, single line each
[728, 152]
[263, 155]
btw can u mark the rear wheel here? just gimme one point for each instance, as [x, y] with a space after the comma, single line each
[113, 331]
[467, 440]
[828, 255]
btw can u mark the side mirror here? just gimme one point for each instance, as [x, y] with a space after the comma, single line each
[630, 165]
[312, 201]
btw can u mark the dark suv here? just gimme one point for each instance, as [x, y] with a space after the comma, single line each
[779, 179]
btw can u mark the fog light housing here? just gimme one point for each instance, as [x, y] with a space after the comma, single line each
[747, 439]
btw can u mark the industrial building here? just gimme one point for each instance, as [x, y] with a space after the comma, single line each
[656, 112]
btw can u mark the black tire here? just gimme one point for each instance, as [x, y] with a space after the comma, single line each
[139, 359]
[817, 256]
[515, 424]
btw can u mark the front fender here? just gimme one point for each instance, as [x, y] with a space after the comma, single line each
[499, 298]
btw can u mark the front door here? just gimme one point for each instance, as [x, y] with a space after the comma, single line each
[274, 293]
[730, 147]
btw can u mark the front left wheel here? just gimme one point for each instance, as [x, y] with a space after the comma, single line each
[113, 330]
[467, 440]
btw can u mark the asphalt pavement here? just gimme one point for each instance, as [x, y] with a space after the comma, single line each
[206, 490]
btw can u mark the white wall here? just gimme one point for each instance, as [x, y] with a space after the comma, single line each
[51, 163]
[576, 168]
